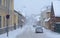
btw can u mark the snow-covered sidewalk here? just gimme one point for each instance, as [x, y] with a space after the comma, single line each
[51, 34]
[13, 34]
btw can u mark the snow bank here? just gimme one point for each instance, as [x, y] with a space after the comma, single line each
[12, 34]
[51, 34]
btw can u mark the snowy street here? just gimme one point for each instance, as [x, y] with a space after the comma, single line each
[29, 18]
[30, 33]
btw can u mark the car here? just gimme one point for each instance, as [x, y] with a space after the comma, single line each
[34, 25]
[39, 29]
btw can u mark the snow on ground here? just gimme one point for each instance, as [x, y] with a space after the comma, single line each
[13, 34]
[51, 34]
[48, 33]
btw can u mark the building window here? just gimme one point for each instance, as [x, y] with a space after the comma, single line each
[0, 2]
[4, 21]
[5, 3]
[0, 21]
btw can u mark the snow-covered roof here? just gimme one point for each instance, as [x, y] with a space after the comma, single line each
[56, 5]
[46, 20]
[23, 14]
[22, 20]
[46, 9]
[37, 18]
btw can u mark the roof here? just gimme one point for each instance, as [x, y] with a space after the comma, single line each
[56, 5]
[17, 12]
[57, 17]
[47, 9]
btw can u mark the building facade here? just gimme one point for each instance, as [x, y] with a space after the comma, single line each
[48, 18]
[19, 19]
[6, 7]
[45, 18]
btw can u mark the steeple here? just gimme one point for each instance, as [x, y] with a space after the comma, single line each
[52, 9]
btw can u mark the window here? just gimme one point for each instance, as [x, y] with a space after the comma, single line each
[0, 2]
[0, 21]
[5, 3]
[4, 21]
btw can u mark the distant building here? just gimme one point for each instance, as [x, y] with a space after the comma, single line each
[50, 18]
[19, 19]
[38, 21]
[47, 17]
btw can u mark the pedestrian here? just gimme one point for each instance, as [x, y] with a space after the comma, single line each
[14, 25]
[21, 26]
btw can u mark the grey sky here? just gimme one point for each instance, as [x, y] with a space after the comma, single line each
[29, 7]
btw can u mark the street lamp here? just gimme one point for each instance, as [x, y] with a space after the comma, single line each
[8, 16]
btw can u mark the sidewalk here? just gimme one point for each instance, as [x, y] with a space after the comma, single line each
[14, 33]
[51, 34]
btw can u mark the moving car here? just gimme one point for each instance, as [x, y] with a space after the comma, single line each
[39, 29]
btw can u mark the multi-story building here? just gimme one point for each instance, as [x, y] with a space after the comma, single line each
[45, 17]
[56, 5]
[15, 20]
[51, 19]
[19, 19]
[6, 7]
[48, 17]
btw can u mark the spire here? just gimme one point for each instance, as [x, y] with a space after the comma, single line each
[52, 9]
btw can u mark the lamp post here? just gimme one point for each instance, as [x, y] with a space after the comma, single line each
[8, 16]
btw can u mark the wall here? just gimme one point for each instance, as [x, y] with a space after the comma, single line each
[57, 19]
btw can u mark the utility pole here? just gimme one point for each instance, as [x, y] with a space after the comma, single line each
[8, 16]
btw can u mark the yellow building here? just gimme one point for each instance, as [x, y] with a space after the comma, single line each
[4, 6]
[15, 18]
[19, 19]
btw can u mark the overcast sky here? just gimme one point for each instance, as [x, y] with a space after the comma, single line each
[29, 7]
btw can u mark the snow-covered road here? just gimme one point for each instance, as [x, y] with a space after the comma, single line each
[30, 33]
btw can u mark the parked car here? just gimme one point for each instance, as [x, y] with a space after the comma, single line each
[39, 29]
[34, 25]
